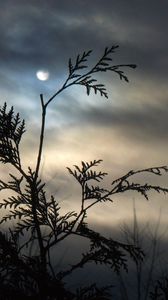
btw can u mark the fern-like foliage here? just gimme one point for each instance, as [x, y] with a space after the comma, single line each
[104, 251]
[99, 194]
[14, 184]
[160, 290]
[123, 183]
[93, 292]
[103, 65]
[84, 175]
[30, 208]
[16, 273]
[11, 131]
[33, 211]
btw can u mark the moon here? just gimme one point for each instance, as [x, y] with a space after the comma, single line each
[42, 75]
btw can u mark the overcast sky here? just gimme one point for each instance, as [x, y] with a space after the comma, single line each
[129, 130]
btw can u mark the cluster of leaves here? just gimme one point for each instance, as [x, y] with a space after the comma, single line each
[103, 65]
[81, 74]
[160, 291]
[11, 131]
[93, 292]
[122, 184]
[16, 272]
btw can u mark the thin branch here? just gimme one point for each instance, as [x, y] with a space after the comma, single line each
[41, 137]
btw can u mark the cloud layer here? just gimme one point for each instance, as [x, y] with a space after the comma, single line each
[128, 131]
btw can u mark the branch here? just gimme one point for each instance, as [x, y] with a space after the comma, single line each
[41, 137]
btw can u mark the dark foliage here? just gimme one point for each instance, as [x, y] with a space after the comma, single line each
[160, 290]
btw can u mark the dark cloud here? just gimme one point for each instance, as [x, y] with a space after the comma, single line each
[37, 35]
[33, 34]
[44, 34]
[148, 122]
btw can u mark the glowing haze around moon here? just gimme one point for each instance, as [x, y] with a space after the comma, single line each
[42, 75]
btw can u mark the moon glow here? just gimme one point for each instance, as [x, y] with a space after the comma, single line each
[42, 75]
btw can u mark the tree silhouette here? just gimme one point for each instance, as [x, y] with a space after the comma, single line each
[24, 274]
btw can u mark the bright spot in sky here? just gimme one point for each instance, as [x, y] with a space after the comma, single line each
[42, 75]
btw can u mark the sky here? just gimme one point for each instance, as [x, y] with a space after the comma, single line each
[127, 131]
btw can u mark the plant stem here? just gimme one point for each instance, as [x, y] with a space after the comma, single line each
[35, 200]
[41, 137]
